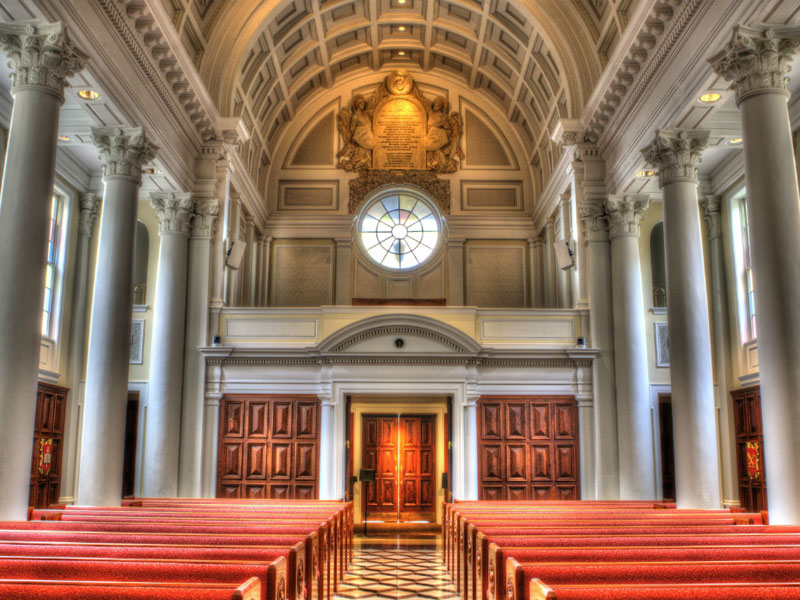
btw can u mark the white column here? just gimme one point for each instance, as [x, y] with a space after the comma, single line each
[248, 264]
[634, 430]
[218, 242]
[455, 272]
[598, 255]
[343, 261]
[676, 153]
[163, 429]
[537, 275]
[232, 276]
[88, 204]
[266, 274]
[550, 277]
[259, 272]
[327, 448]
[721, 351]
[41, 58]
[564, 277]
[123, 151]
[191, 448]
[757, 60]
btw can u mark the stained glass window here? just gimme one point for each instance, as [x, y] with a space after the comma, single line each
[399, 230]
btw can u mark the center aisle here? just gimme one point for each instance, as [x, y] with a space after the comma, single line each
[397, 567]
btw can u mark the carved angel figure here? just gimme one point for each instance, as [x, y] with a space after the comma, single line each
[355, 127]
[442, 138]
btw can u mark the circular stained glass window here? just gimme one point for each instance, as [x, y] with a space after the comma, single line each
[399, 230]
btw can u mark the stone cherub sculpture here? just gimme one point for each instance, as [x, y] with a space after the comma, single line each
[355, 127]
[442, 137]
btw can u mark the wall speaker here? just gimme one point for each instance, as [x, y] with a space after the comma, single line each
[564, 258]
[236, 254]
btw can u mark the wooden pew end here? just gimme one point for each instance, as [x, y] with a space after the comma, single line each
[539, 591]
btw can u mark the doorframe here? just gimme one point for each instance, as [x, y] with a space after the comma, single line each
[416, 404]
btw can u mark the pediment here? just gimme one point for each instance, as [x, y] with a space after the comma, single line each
[419, 335]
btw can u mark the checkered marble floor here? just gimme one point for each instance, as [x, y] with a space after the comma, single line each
[399, 574]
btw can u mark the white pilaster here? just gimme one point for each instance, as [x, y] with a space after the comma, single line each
[676, 153]
[564, 277]
[124, 151]
[218, 242]
[344, 249]
[756, 61]
[41, 58]
[550, 277]
[455, 272]
[634, 430]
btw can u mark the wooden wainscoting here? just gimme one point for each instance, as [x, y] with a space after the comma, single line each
[528, 448]
[268, 447]
[48, 445]
[750, 448]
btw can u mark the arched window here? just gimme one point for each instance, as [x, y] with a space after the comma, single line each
[658, 266]
[399, 229]
[140, 264]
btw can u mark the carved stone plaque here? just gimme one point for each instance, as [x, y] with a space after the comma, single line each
[399, 131]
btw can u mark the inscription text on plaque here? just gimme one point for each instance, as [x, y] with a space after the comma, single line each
[399, 135]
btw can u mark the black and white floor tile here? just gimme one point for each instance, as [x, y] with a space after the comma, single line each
[397, 573]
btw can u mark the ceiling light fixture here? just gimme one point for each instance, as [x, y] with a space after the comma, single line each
[401, 28]
[64, 138]
[645, 173]
[401, 1]
[401, 53]
[89, 94]
[710, 97]
[736, 141]
[151, 171]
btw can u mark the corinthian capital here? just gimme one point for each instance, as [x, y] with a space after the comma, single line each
[712, 215]
[40, 55]
[757, 59]
[624, 214]
[594, 221]
[204, 218]
[676, 154]
[88, 203]
[123, 150]
[174, 211]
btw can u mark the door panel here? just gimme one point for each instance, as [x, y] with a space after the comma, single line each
[268, 447]
[750, 448]
[418, 448]
[532, 452]
[48, 436]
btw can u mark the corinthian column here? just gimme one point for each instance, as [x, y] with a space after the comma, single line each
[636, 475]
[162, 435]
[191, 463]
[756, 61]
[88, 203]
[41, 58]
[123, 152]
[676, 154]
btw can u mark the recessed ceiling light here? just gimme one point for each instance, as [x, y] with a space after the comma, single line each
[64, 138]
[151, 171]
[736, 141]
[401, 1]
[710, 97]
[401, 53]
[89, 94]
[401, 28]
[645, 173]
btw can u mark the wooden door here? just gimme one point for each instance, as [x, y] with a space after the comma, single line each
[528, 448]
[48, 445]
[129, 452]
[402, 450]
[379, 452]
[667, 447]
[417, 451]
[268, 447]
[750, 448]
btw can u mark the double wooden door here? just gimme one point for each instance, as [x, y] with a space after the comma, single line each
[750, 448]
[402, 451]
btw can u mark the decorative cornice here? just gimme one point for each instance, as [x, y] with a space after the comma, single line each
[676, 154]
[624, 213]
[756, 60]
[123, 150]
[204, 218]
[41, 55]
[593, 221]
[712, 215]
[399, 359]
[654, 42]
[174, 211]
[88, 203]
